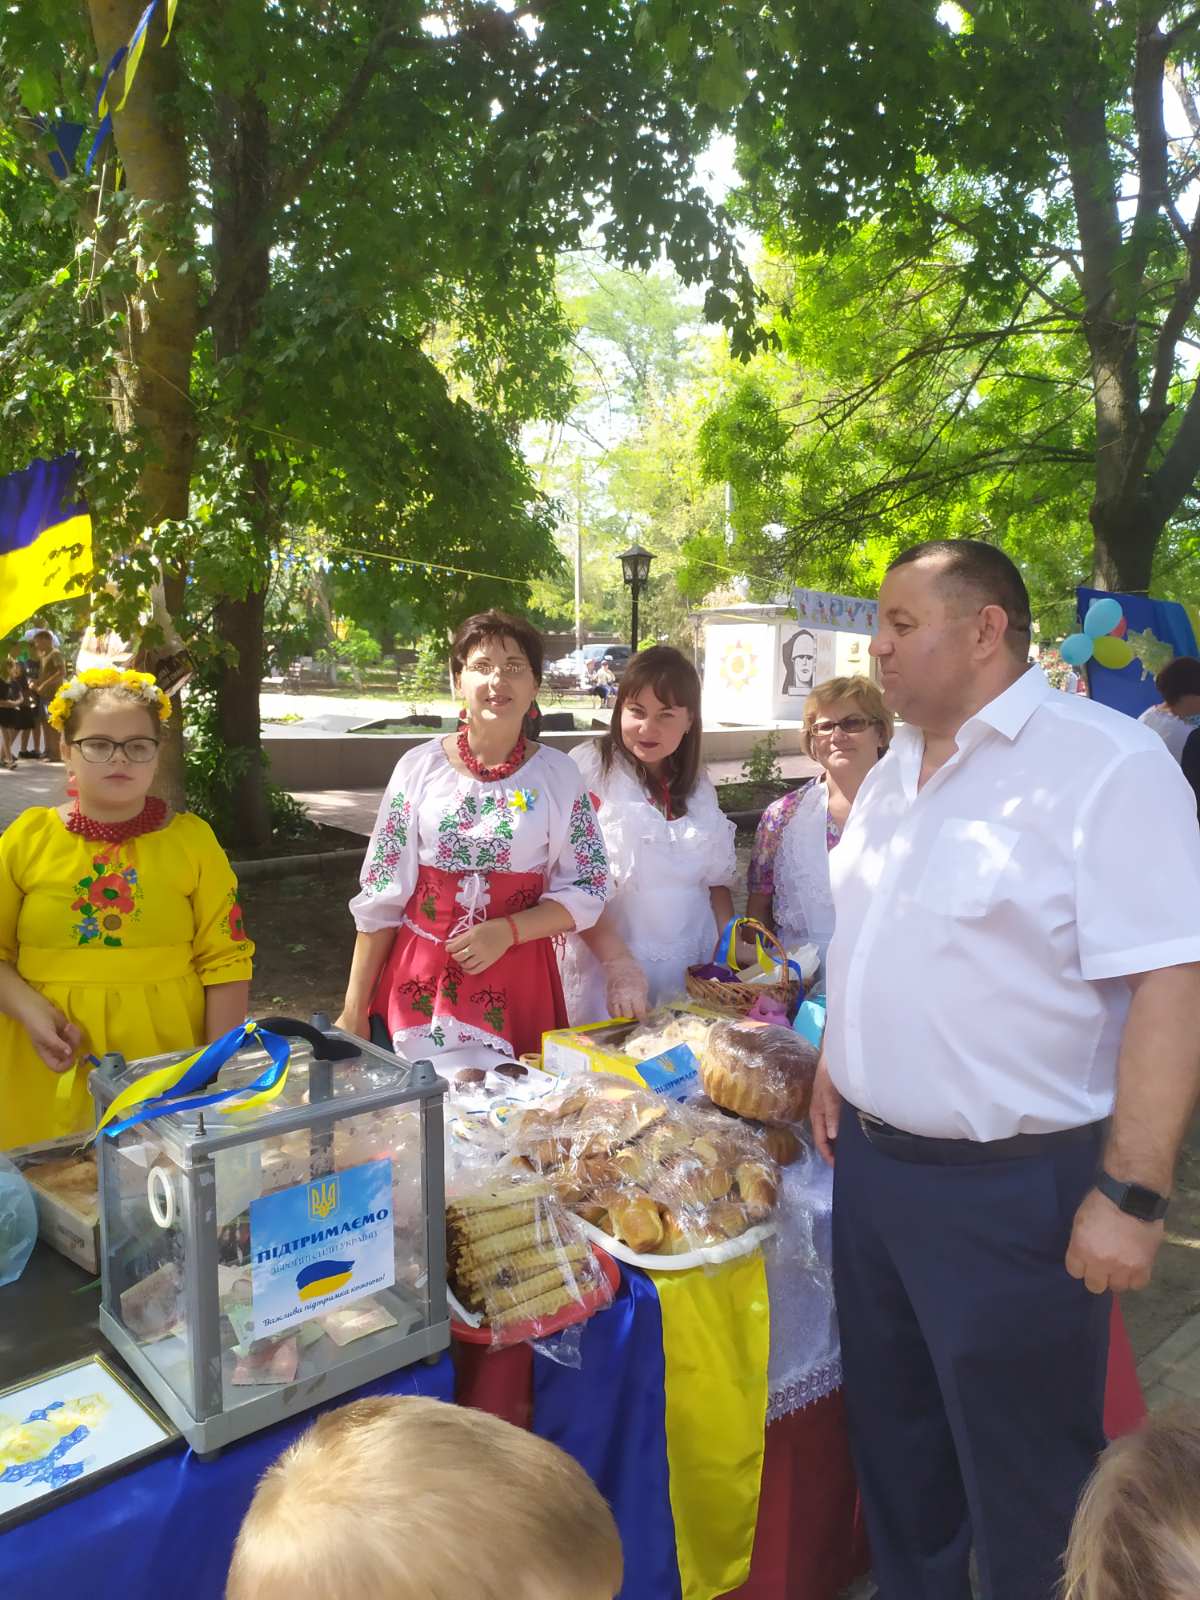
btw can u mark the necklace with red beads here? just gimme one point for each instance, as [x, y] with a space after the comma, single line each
[147, 820]
[490, 774]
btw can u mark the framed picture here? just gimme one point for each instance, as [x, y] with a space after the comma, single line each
[66, 1431]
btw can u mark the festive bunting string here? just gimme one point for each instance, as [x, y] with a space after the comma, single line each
[132, 51]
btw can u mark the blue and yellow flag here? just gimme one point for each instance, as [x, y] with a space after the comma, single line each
[45, 541]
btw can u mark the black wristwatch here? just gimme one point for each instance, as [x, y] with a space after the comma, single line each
[1147, 1205]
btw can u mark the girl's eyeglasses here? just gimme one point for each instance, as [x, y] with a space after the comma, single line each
[101, 751]
[826, 725]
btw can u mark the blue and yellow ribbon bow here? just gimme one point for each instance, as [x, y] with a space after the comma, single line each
[157, 1093]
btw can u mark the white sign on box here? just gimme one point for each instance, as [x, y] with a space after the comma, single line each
[321, 1244]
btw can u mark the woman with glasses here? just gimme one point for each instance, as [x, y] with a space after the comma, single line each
[847, 728]
[486, 848]
[119, 926]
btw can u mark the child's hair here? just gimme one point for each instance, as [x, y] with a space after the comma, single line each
[101, 686]
[407, 1499]
[1137, 1531]
[672, 678]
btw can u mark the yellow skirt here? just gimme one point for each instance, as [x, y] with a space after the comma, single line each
[138, 1018]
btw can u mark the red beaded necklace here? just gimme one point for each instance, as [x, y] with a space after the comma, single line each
[490, 774]
[147, 820]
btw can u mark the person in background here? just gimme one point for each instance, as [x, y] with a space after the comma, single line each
[120, 927]
[396, 1498]
[670, 846]
[48, 678]
[485, 849]
[16, 709]
[1010, 1063]
[605, 681]
[847, 728]
[1136, 1535]
[1179, 713]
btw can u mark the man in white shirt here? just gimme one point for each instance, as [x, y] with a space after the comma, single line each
[1015, 961]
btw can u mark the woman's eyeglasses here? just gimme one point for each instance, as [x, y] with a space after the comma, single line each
[101, 751]
[826, 725]
[506, 669]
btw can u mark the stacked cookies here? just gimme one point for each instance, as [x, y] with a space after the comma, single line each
[515, 1255]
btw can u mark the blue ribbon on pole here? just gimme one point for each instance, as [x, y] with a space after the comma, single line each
[105, 128]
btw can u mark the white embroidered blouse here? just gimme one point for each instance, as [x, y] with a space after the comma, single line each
[662, 871]
[539, 820]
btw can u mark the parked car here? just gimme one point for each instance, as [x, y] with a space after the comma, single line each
[580, 666]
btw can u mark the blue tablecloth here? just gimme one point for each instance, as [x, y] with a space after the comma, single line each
[168, 1527]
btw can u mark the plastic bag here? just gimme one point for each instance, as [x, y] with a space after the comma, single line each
[662, 1178]
[759, 1071]
[18, 1222]
[518, 1262]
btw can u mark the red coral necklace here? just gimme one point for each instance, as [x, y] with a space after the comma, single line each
[147, 820]
[490, 774]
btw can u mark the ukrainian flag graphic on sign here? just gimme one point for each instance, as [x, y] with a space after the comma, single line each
[322, 1278]
[45, 541]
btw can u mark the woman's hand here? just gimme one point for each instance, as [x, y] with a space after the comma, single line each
[58, 1042]
[482, 946]
[627, 992]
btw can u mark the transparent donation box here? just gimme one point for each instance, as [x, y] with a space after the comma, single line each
[259, 1262]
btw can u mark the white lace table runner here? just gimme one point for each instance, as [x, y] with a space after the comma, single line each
[805, 1362]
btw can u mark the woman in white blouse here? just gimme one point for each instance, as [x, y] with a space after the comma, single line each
[486, 848]
[1179, 713]
[847, 728]
[670, 847]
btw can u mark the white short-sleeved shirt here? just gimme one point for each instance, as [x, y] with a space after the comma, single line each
[985, 922]
[1172, 730]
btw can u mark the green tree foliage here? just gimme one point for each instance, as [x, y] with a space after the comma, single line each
[237, 328]
[1040, 153]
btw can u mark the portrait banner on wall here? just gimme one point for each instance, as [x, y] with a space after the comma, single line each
[806, 656]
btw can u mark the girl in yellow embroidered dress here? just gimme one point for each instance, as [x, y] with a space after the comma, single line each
[119, 930]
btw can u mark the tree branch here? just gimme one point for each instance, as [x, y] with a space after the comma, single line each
[1177, 471]
[291, 183]
[1154, 188]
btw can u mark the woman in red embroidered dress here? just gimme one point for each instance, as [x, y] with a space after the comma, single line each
[485, 849]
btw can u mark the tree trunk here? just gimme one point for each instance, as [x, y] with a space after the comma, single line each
[152, 386]
[241, 624]
[240, 157]
[1123, 544]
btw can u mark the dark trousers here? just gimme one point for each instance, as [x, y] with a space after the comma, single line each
[974, 1364]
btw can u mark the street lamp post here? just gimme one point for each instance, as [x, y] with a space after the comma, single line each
[635, 564]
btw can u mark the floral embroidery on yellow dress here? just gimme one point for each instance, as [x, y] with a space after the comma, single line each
[107, 896]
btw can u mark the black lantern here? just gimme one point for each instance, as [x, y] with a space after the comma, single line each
[635, 564]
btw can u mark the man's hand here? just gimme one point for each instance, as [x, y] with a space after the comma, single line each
[825, 1112]
[57, 1041]
[1110, 1250]
[482, 946]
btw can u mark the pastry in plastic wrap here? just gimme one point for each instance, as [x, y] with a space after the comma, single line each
[517, 1257]
[662, 1178]
[758, 1071]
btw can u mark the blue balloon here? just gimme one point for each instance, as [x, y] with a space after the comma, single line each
[1076, 649]
[1102, 617]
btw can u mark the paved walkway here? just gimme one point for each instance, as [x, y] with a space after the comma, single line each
[34, 783]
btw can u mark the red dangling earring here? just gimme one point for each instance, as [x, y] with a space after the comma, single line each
[462, 716]
[534, 712]
[72, 787]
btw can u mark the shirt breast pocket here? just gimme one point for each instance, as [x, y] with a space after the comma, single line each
[965, 867]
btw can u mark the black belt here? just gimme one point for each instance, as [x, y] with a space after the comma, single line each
[904, 1146]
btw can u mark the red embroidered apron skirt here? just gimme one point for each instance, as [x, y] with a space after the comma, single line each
[426, 998]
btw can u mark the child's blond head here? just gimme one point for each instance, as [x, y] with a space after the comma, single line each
[407, 1499]
[1137, 1531]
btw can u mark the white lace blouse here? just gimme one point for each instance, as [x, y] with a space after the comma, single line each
[803, 902]
[662, 872]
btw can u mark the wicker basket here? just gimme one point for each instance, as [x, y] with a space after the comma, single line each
[739, 998]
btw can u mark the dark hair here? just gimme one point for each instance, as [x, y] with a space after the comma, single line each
[486, 625]
[675, 681]
[987, 572]
[1177, 678]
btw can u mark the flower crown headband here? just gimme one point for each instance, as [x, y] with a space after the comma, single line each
[140, 685]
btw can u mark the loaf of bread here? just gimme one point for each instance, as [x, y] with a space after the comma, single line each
[759, 1070]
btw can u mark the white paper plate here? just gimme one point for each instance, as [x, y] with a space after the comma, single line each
[709, 1255]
